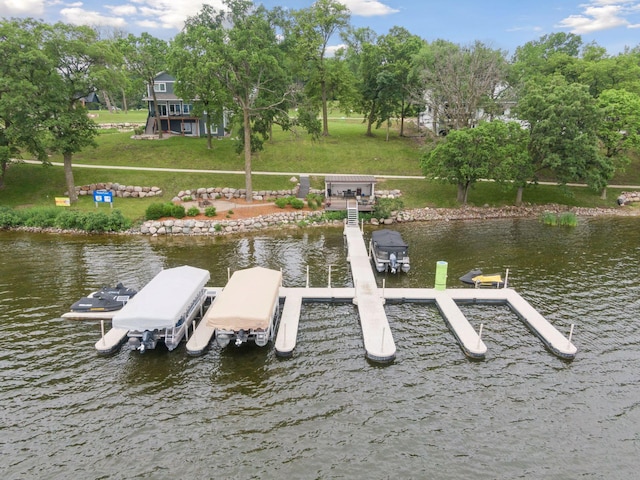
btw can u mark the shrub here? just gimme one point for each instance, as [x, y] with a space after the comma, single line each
[282, 202]
[314, 201]
[155, 211]
[118, 222]
[384, 207]
[70, 220]
[177, 211]
[9, 218]
[43, 217]
[217, 227]
[188, 198]
[193, 211]
[210, 211]
[297, 203]
[96, 222]
[138, 130]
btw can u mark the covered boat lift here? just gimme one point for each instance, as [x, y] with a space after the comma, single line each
[247, 308]
[162, 310]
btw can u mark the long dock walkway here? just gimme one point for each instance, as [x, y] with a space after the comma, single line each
[377, 336]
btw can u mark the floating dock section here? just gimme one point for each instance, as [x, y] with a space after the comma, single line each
[447, 302]
[378, 340]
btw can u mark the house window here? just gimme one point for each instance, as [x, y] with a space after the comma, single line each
[159, 87]
[186, 108]
[174, 109]
[186, 127]
[162, 110]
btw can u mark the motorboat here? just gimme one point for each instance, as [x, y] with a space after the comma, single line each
[247, 309]
[480, 280]
[107, 299]
[164, 309]
[389, 252]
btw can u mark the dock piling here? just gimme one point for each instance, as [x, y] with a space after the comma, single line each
[506, 278]
[307, 276]
[329, 280]
[102, 328]
[570, 335]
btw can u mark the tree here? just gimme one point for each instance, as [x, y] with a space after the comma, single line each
[562, 121]
[25, 73]
[555, 53]
[194, 81]
[243, 53]
[146, 56]
[619, 133]
[400, 47]
[462, 159]
[314, 27]
[458, 80]
[80, 60]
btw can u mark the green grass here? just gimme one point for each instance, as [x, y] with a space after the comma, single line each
[347, 150]
[132, 116]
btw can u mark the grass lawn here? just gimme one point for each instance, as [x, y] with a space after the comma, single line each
[347, 150]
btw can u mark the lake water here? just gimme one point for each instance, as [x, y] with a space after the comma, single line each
[327, 412]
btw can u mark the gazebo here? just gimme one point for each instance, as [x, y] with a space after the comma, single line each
[339, 189]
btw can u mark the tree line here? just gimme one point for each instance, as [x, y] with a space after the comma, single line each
[577, 107]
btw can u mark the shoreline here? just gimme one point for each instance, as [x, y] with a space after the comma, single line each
[304, 219]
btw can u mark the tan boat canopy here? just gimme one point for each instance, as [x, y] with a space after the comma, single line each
[247, 302]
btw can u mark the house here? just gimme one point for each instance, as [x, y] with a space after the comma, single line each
[175, 115]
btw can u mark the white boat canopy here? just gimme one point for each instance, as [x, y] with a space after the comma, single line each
[163, 301]
[247, 301]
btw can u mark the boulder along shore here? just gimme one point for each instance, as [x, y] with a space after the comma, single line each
[304, 219]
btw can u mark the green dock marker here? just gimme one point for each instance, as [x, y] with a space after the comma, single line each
[441, 275]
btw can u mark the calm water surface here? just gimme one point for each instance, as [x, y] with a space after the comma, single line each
[327, 412]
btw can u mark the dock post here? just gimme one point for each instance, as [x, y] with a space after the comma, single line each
[506, 278]
[441, 275]
[382, 344]
[228, 273]
[329, 280]
[307, 276]
[104, 342]
[480, 335]
[570, 335]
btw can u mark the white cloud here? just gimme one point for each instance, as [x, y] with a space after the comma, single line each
[172, 14]
[79, 16]
[368, 8]
[122, 10]
[11, 8]
[600, 15]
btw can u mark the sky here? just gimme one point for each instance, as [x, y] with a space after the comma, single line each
[500, 24]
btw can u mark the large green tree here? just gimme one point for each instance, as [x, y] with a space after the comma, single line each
[562, 120]
[79, 63]
[462, 159]
[619, 134]
[194, 82]
[243, 53]
[146, 56]
[459, 80]
[313, 28]
[25, 79]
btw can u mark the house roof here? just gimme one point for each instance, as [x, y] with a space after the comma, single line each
[350, 179]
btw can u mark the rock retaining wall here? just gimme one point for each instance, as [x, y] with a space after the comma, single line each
[628, 197]
[123, 191]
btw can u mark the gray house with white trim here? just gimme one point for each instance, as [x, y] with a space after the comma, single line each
[175, 114]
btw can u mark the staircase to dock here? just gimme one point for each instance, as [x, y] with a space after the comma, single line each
[352, 214]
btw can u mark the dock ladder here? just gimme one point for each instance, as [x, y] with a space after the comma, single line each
[352, 214]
